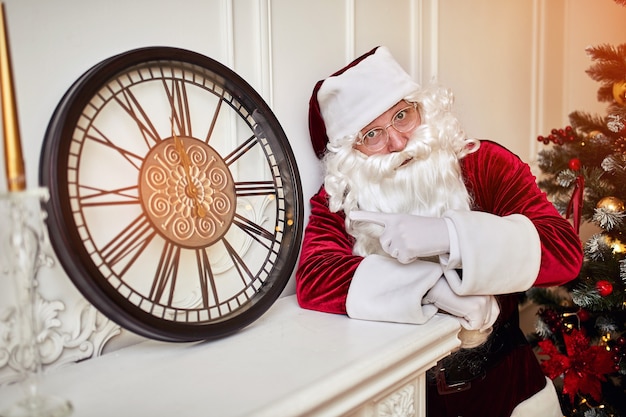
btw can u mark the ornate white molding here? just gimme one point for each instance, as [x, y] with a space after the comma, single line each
[399, 404]
[82, 337]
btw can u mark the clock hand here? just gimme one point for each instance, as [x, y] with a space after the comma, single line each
[186, 163]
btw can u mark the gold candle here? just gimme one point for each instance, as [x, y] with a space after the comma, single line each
[13, 160]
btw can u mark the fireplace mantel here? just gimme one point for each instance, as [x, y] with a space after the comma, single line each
[290, 362]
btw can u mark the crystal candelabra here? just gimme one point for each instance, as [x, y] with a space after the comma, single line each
[21, 257]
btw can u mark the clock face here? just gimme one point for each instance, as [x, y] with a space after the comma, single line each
[175, 200]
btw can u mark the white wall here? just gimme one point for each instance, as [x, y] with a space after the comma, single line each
[587, 26]
[516, 66]
[486, 51]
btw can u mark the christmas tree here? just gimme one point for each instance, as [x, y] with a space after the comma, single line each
[581, 327]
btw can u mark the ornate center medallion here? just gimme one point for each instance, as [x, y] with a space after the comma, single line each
[187, 192]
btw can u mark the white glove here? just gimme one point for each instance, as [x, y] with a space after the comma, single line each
[407, 237]
[475, 312]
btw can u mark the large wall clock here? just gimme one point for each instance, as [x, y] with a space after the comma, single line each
[175, 200]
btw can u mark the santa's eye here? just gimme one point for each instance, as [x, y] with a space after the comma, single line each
[405, 119]
[373, 136]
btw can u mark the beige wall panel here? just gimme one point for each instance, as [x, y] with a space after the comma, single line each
[485, 52]
[550, 68]
[248, 29]
[381, 22]
[588, 23]
[308, 43]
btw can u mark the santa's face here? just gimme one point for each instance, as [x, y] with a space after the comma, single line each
[389, 132]
[415, 172]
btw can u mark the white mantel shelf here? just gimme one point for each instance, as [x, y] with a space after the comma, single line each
[290, 362]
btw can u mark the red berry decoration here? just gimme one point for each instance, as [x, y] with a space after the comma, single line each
[574, 164]
[604, 288]
[558, 136]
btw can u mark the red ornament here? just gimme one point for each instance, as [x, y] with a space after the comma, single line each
[605, 288]
[574, 164]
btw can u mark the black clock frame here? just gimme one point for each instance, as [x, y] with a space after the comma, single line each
[63, 233]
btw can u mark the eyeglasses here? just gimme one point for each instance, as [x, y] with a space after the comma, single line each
[403, 121]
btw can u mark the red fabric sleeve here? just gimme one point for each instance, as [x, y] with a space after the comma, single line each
[326, 263]
[502, 184]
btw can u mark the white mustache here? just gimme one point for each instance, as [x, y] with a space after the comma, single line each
[418, 148]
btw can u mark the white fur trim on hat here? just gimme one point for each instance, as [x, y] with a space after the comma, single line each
[351, 100]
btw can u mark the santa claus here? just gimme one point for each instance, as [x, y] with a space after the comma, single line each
[415, 218]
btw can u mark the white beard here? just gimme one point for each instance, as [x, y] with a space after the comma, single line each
[428, 185]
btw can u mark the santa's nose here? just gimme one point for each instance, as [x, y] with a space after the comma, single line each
[397, 140]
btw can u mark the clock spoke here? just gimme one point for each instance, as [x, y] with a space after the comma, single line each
[238, 262]
[254, 188]
[95, 135]
[255, 231]
[214, 120]
[177, 97]
[94, 196]
[206, 277]
[166, 273]
[128, 244]
[241, 150]
[131, 105]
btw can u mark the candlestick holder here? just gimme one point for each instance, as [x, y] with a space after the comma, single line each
[21, 256]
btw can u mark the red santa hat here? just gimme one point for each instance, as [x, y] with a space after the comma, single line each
[351, 98]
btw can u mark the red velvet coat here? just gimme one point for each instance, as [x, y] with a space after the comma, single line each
[499, 183]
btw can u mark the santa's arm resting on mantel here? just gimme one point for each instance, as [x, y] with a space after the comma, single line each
[514, 239]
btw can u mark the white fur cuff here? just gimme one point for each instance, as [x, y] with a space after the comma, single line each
[383, 289]
[498, 255]
[545, 403]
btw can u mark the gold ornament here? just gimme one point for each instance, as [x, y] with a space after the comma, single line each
[619, 92]
[611, 203]
[594, 133]
[616, 244]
